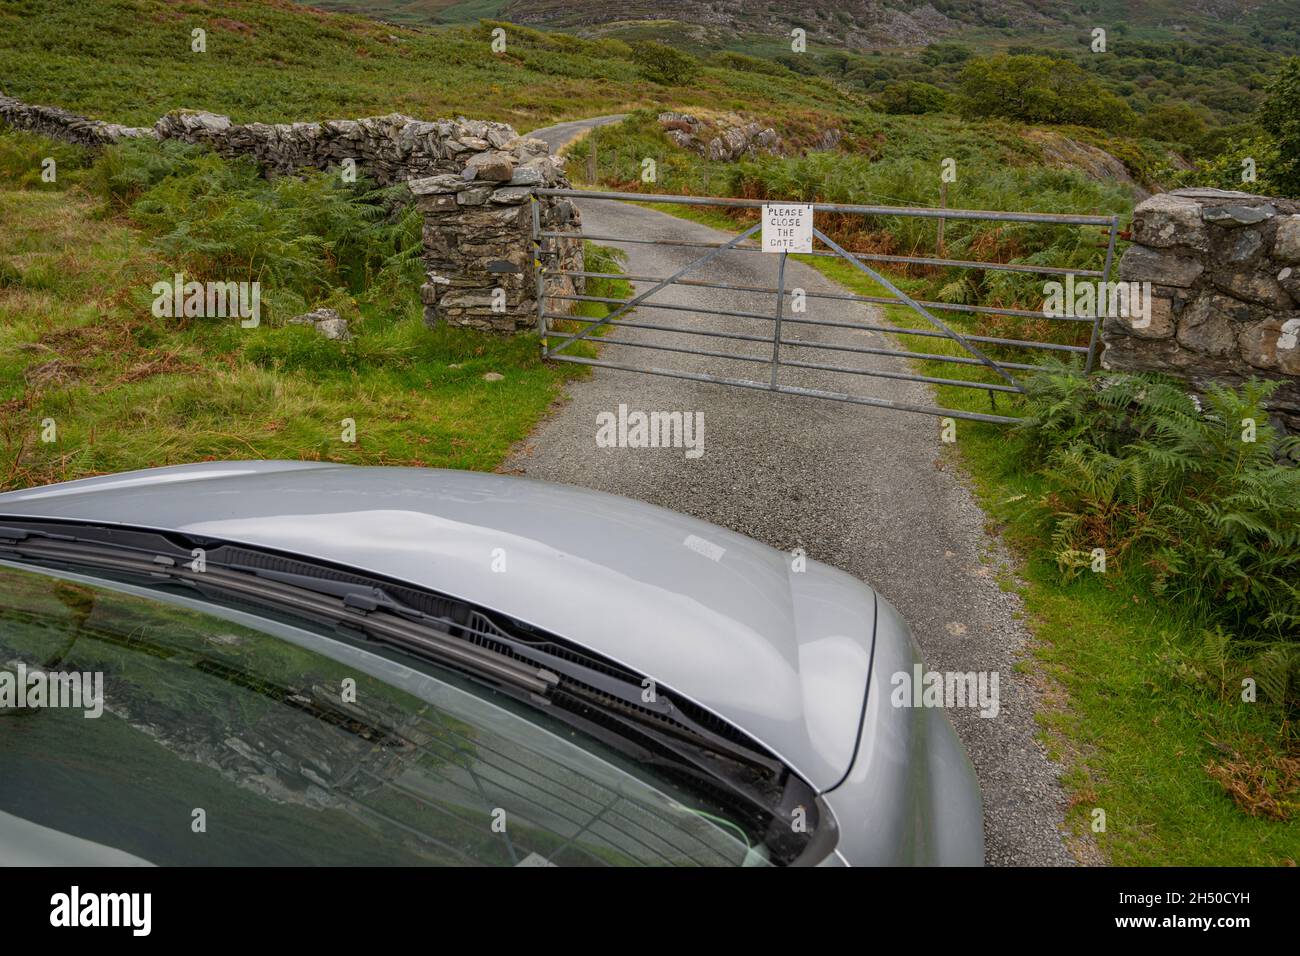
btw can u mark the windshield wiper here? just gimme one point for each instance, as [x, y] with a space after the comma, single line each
[372, 612]
[355, 607]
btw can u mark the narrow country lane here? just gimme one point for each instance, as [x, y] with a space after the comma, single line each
[867, 490]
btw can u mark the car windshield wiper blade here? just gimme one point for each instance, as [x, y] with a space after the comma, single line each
[372, 612]
[426, 638]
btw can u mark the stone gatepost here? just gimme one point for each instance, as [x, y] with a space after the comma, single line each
[1225, 274]
[478, 239]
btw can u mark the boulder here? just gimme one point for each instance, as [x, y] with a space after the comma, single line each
[327, 322]
[1274, 344]
[492, 165]
[1205, 326]
[1259, 287]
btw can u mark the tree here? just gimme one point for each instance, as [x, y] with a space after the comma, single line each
[1176, 123]
[940, 53]
[911, 97]
[1279, 117]
[1040, 89]
[663, 64]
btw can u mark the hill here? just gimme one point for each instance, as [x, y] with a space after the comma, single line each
[867, 24]
[129, 61]
[1212, 56]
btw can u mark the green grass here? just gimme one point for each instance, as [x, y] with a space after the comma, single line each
[79, 345]
[1134, 737]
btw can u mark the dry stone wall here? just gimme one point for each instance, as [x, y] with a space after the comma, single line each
[1225, 274]
[474, 181]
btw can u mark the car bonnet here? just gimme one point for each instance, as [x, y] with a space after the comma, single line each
[776, 646]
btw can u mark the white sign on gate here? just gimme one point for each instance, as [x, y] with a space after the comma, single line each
[787, 228]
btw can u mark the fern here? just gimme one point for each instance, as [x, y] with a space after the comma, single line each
[303, 238]
[1134, 466]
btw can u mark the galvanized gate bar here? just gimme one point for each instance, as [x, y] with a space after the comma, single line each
[922, 356]
[905, 376]
[798, 343]
[738, 336]
[795, 390]
[934, 334]
[867, 256]
[766, 360]
[890, 329]
[780, 305]
[1096, 324]
[922, 212]
[837, 296]
[729, 356]
[633, 303]
[916, 306]
[609, 300]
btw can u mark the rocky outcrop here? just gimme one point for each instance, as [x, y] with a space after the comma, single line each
[474, 181]
[1061, 152]
[1225, 274]
[723, 138]
[866, 24]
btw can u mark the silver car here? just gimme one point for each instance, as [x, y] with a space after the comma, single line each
[305, 663]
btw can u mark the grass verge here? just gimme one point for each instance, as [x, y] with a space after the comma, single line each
[84, 362]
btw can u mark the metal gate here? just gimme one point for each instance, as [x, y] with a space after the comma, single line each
[1001, 372]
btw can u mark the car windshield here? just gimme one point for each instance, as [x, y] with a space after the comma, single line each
[225, 738]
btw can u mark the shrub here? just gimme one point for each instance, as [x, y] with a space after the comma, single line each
[124, 171]
[1225, 170]
[663, 64]
[912, 98]
[798, 63]
[1279, 116]
[300, 237]
[731, 60]
[1170, 485]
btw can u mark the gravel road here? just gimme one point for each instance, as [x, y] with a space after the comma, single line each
[868, 490]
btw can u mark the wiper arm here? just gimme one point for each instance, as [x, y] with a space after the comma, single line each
[363, 597]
